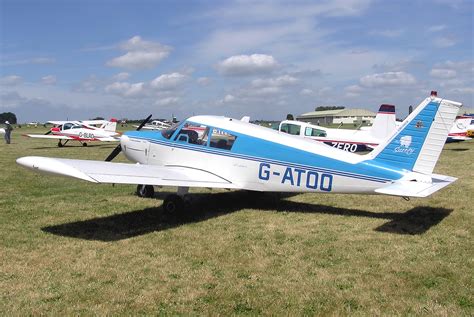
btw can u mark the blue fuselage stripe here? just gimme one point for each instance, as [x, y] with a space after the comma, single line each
[203, 149]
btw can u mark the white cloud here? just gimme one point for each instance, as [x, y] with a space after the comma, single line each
[443, 42]
[49, 80]
[121, 76]
[11, 80]
[167, 101]
[229, 98]
[242, 65]
[353, 90]
[168, 81]
[125, 89]
[281, 81]
[388, 79]
[140, 54]
[387, 33]
[34, 60]
[437, 28]
[203, 81]
[306, 92]
[443, 73]
[88, 85]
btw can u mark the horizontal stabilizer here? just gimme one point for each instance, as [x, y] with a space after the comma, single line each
[125, 173]
[416, 189]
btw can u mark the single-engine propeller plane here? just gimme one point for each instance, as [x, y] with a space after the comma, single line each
[220, 152]
[82, 131]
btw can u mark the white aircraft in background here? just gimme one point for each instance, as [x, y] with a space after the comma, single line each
[82, 131]
[156, 125]
[459, 130]
[366, 138]
[220, 152]
[2, 131]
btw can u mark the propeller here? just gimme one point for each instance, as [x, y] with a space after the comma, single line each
[49, 132]
[118, 149]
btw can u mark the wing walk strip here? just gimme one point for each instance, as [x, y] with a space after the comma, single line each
[259, 159]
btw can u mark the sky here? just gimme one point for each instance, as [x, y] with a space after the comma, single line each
[79, 59]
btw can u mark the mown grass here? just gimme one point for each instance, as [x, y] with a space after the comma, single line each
[70, 247]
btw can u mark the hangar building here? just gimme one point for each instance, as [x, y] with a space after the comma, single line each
[346, 116]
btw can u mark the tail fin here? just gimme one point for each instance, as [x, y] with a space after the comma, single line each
[110, 126]
[417, 144]
[384, 123]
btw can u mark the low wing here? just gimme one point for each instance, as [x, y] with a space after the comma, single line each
[107, 139]
[125, 173]
[49, 136]
[417, 189]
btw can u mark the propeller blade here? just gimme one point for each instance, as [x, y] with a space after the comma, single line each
[114, 153]
[144, 122]
[49, 132]
[118, 149]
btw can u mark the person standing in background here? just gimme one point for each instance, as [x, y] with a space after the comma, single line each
[8, 132]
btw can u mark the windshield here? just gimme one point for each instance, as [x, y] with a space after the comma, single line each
[167, 133]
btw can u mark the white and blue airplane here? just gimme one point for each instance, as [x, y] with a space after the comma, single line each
[220, 152]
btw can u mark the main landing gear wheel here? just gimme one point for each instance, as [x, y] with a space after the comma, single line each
[145, 191]
[60, 144]
[173, 204]
[84, 144]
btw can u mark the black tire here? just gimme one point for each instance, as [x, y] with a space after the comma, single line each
[145, 191]
[173, 204]
[84, 144]
[60, 144]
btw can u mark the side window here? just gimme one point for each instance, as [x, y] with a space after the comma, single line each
[221, 139]
[193, 133]
[314, 132]
[290, 128]
[76, 126]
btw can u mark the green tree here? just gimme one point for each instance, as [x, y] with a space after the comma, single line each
[8, 116]
[323, 108]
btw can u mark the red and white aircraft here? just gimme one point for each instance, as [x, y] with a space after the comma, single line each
[82, 131]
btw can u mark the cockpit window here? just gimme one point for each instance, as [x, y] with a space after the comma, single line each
[76, 126]
[67, 126]
[221, 139]
[289, 128]
[193, 133]
[168, 133]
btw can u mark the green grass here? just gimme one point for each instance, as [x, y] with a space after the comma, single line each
[71, 247]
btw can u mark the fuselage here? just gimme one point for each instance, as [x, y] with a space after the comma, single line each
[257, 158]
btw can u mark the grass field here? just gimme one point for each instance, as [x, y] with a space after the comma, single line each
[70, 247]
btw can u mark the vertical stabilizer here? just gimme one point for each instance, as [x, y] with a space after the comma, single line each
[384, 123]
[110, 126]
[417, 144]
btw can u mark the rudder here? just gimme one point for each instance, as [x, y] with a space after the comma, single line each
[417, 144]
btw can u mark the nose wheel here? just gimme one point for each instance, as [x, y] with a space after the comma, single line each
[145, 191]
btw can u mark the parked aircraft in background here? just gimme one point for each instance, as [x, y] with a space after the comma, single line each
[345, 139]
[220, 152]
[32, 124]
[459, 130]
[156, 125]
[82, 131]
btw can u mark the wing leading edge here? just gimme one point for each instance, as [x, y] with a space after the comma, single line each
[125, 173]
